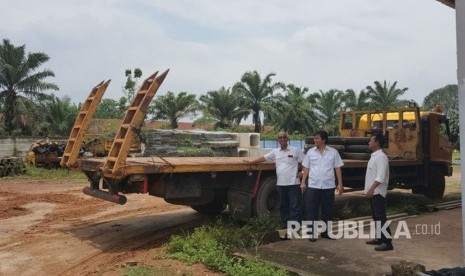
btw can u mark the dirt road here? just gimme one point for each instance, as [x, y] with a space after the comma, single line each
[51, 228]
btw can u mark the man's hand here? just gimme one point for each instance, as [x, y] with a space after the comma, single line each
[340, 189]
[303, 186]
[370, 192]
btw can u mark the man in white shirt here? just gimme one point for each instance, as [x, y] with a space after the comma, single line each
[376, 185]
[321, 164]
[286, 159]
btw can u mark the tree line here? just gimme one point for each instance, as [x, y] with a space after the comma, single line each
[29, 106]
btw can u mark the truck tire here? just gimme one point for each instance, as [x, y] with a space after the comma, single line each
[267, 200]
[437, 184]
[214, 207]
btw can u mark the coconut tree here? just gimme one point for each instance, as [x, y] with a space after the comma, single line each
[385, 96]
[257, 94]
[20, 81]
[171, 107]
[224, 106]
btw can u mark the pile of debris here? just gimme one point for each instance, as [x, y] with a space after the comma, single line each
[46, 153]
[189, 143]
[10, 166]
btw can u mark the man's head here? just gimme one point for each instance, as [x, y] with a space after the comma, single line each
[320, 138]
[282, 139]
[376, 142]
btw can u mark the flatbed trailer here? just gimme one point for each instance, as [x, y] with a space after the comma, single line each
[419, 152]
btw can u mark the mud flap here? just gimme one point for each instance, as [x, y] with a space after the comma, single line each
[240, 204]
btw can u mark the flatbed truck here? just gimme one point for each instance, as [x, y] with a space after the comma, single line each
[211, 184]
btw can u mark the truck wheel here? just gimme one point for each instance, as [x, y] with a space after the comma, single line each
[437, 184]
[267, 200]
[215, 207]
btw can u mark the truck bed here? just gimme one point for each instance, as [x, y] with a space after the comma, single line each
[138, 165]
[148, 165]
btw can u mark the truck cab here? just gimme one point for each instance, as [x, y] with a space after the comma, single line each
[419, 140]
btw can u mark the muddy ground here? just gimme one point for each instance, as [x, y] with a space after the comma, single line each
[52, 228]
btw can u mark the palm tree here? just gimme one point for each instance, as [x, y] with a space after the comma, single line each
[172, 108]
[18, 80]
[385, 96]
[356, 102]
[328, 107]
[59, 116]
[293, 111]
[224, 107]
[257, 94]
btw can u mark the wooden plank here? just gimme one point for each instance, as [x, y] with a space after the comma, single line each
[152, 165]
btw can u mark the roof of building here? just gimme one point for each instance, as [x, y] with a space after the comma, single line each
[450, 3]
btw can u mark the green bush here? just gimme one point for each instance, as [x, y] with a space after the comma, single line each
[213, 244]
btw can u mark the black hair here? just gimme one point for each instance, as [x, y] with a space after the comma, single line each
[323, 135]
[379, 137]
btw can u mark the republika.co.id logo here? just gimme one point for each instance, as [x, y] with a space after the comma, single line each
[347, 229]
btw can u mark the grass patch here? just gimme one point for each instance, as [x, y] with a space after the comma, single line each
[214, 244]
[41, 173]
[140, 271]
[354, 209]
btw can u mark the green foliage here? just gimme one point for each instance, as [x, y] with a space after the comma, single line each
[111, 109]
[41, 173]
[257, 94]
[413, 204]
[21, 85]
[274, 134]
[171, 107]
[328, 108]
[385, 96]
[140, 271]
[131, 83]
[212, 245]
[58, 116]
[293, 112]
[356, 102]
[448, 97]
[224, 107]
[354, 209]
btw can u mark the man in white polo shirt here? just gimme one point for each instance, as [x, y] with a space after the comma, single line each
[321, 164]
[376, 185]
[286, 159]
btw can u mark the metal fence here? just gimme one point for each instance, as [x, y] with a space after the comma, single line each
[271, 144]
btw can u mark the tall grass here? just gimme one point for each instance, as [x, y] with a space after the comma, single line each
[59, 173]
[214, 244]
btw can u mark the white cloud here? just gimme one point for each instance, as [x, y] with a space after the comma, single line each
[209, 44]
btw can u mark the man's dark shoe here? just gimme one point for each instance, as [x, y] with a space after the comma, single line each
[374, 242]
[312, 240]
[326, 236]
[384, 247]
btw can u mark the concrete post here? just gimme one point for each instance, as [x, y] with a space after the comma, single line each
[460, 25]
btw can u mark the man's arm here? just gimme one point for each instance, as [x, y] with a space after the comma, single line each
[255, 161]
[303, 185]
[340, 187]
[371, 191]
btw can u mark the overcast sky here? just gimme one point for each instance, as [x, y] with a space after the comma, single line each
[321, 45]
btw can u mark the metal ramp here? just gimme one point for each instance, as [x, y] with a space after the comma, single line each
[81, 125]
[132, 120]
